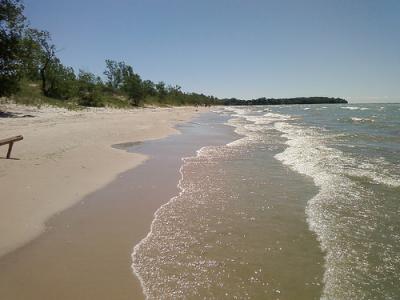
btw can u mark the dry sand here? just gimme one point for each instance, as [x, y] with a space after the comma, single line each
[64, 156]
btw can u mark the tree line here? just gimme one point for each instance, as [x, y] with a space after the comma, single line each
[29, 55]
[284, 101]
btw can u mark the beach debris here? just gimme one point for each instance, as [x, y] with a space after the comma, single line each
[10, 141]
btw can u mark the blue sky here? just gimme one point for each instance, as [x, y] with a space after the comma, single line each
[232, 48]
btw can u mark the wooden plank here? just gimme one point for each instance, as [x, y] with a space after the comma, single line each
[11, 139]
[9, 149]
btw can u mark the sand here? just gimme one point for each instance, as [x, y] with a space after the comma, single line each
[85, 252]
[64, 156]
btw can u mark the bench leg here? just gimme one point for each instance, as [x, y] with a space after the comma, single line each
[9, 149]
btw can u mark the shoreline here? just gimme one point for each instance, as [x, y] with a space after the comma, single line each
[60, 153]
[86, 251]
[180, 190]
[232, 231]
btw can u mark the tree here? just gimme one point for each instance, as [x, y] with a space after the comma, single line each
[174, 90]
[149, 88]
[89, 89]
[161, 90]
[12, 24]
[121, 76]
[116, 72]
[43, 54]
[133, 87]
[60, 80]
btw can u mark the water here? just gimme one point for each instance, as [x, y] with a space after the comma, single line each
[305, 205]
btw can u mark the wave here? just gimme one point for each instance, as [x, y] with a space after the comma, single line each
[338, 209]
[354, 108]
[342, 214]
[169, 240]
[144, 264]
[137, 267]
[362, 120]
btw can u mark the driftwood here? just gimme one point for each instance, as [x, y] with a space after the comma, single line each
[10, 141]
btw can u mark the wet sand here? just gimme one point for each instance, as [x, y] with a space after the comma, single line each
[85, 252]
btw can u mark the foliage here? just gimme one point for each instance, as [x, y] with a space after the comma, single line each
[161, 90]
[115, 73]
[30, 93]
[89, 89]
[60, 81]
[12, 24]
[133, 88]
[42, 57]
[272, 101]
[149, 88]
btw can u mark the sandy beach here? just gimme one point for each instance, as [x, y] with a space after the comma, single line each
[84, 251]
[64, 156]
[166, 150]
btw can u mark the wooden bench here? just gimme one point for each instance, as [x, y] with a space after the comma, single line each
[10, 141]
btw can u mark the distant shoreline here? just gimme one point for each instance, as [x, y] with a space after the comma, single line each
[284, 101]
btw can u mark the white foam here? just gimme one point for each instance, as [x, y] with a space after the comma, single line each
[207, 152]
[136, 249]
[309, 153]
[350, 107]
[362, 120]
[354, 108]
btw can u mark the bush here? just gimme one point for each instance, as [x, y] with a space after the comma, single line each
[92, 99]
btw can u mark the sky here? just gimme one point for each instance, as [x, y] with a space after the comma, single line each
[236, 48]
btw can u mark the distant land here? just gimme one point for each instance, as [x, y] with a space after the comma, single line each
[280, 101]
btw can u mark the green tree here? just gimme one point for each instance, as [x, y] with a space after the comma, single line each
[32, 56]
[43, 55]
[60, 80]
[149, 88]
[121, 76]
[174, 90]
[133, 87]
[161, 90]
[116, 72]
[12, 24]
[89, 89]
